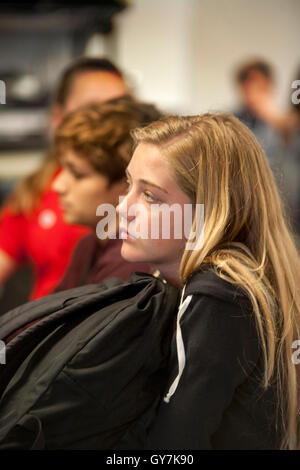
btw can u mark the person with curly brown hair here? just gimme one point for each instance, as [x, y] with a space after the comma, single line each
[32, 229]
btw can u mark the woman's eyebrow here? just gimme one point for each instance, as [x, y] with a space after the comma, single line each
[69, 165]
[148, 183]
[74, 169]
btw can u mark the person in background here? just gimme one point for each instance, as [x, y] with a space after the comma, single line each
[294, 114]
[291, 128]
[255, 80]
[256, 83]
[94, 147]
[233, 374]
[31, 225]
[271, 126]
[277, 130]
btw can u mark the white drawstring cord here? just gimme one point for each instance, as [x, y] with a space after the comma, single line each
[180, 346]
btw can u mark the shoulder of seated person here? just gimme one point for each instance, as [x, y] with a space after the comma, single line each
[207, 282]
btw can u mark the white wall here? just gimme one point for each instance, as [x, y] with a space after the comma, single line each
[182, 53]
[154, 45]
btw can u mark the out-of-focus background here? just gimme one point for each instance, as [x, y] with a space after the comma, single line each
[181, 55]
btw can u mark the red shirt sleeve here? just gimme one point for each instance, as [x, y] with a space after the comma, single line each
[11, 235]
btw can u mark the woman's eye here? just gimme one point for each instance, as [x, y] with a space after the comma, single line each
[149, 197]
[128, 185]
[78, 176]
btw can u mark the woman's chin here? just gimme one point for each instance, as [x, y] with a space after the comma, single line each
[131, 254]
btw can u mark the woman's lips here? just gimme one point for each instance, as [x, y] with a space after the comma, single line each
[124, 235]
[64, 206]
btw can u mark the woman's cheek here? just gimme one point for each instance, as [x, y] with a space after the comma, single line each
[142, 223]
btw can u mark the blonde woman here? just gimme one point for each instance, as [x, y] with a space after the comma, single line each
[234, 376]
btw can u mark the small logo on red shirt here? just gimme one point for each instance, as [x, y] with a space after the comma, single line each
[47, 219]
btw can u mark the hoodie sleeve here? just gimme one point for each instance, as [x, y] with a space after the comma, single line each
[221, 349]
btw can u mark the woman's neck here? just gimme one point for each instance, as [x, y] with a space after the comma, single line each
[171, 274]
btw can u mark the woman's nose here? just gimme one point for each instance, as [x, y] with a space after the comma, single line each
[58, 184]
[123, 206]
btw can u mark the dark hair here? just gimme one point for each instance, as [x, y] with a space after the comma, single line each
[261, 66]
[84, 64]
[27, 194]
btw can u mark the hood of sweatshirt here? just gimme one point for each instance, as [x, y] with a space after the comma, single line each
[208, 282]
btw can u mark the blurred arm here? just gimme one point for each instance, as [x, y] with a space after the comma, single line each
[7, 266]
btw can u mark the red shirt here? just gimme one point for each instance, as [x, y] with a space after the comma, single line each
[43, 238]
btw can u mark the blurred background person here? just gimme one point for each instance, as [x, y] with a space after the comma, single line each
[291, 128]
[259, 105]
[94, 146]
[287, 123]
[255, 80]
[294, 114]
[32, 228]
[272, 126]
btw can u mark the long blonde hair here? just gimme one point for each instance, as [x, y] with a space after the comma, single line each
[218, 162]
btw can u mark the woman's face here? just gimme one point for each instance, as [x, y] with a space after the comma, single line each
[151, 231]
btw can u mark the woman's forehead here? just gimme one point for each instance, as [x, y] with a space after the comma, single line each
[148, 158]
[149, 164]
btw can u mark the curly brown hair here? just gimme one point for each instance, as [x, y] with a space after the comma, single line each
[101, 134]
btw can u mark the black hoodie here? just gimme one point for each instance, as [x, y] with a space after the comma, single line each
[218, 402]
